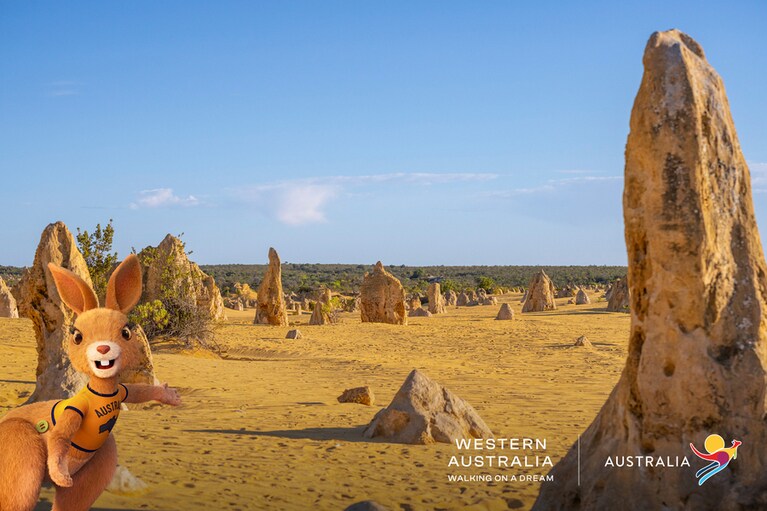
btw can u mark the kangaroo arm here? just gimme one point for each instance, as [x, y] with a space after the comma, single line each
[61, 435]
[59, 443]
[141, 393]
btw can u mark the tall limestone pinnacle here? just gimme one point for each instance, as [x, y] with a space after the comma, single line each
[270, 308]
[698, 280]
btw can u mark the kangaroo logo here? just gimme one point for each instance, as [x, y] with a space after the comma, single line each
[718, 455]
[108, 425]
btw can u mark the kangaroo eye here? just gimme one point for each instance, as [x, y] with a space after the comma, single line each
[126, 333]
[77, 336]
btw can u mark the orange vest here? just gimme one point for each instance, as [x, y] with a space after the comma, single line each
[98, 411]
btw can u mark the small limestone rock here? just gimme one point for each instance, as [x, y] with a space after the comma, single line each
[505, 313]
[540, 294]
[294, 334]
[361, 395]
[420, 312]
[366, 505]
[619, 296]
[424, 412]
[583, 341]
[582, 298]
[126, 484]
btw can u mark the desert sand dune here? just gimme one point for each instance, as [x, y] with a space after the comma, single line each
[260, 427]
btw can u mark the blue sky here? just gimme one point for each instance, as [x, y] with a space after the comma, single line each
[411, 132]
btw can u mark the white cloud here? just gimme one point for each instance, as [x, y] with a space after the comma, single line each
[304, 201]
[758, 176]
[574, 171]
[63, 88]
[292, 203]
[551, 185]
[162, 198]
[418, 178]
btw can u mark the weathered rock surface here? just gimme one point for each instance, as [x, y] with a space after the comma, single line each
[294, 334]
[270, 304]
[8, 308]
[366, 505]
[583, 341]
[144, 370]
[540, 294]
[620, 295]
[451, 298]
[582, 298]
[462, 300]
[505, 313]
[414, 302]
[167, 271]
[697, 361]
[382, 298]
[234, 304]
[361, 395]
[566, 292]
[424, 412]
[125, 483]
[420, 312]
[436, 301]
[488, 300]
[320, 315]
[609, 291]
[39, 301]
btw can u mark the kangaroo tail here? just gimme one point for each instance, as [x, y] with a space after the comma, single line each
[22, 465]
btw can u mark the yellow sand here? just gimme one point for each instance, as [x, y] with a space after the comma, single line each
[261, 428]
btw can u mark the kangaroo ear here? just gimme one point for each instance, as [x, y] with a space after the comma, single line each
[73, 290]
[124, 287]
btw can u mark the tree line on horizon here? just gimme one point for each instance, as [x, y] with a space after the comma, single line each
[347, 278]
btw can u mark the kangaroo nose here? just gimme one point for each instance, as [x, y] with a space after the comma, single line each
[103, 349]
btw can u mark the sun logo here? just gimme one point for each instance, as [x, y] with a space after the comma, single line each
[717, 455]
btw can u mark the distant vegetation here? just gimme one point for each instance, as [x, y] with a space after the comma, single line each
[347, 278]
[96, 248]
[10, 274]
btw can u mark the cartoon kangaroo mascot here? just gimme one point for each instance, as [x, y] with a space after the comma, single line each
[69, 440]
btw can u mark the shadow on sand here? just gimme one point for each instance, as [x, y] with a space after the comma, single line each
[346, 434]
[46, 506]
[596, 310]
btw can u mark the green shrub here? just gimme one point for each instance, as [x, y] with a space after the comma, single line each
[96, 248]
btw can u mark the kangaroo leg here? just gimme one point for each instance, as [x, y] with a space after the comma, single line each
[88, 482]
[22, 465]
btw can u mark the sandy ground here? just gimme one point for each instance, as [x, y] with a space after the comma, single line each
[261, 428]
